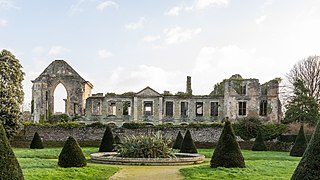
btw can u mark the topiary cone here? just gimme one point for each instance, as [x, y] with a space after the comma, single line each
[71, 154]
[107, 142]
[308, 167]
[36, 142]
[117, 140]
[9, 166]
[187, 145]
[259, 144]
[178, 142]
[300, 144]
[227, 153]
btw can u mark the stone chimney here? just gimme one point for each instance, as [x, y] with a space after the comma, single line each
[188, 87]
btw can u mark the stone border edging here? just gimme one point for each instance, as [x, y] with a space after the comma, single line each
[110, 158]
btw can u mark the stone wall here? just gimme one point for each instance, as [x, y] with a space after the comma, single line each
[93, 134]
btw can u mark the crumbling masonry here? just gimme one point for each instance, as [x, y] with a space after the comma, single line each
[233, 98]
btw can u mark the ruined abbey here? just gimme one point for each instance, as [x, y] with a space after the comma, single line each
[233, 98]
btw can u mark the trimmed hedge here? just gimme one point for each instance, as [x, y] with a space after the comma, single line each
[188, 145]
[36, 142]
[227, 153]
[107, 142]
[308, 167]
[117, 140]
[259, 144]
[300, 144]
[71, 154]
[178, 142]
[9, 166]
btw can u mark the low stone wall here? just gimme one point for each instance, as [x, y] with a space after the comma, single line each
[94, 134]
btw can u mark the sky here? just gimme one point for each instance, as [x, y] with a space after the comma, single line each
[123, 45]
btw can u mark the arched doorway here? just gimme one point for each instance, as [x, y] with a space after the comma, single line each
[60, 98]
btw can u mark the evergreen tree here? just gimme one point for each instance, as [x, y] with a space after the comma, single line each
[300, 144]
[11, 92]
[188, 145]
[227, 153]
[36, 142]
[308, 167]
[259, 144]
[71, 154]
[107, 142]
[302, 107]
[178, 142]
[117, 140]
[9, 166]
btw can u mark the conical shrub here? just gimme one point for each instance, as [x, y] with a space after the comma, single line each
[178, 142]
[187, 145]
[36, 142]
[259, 144]
[9, 166]
[107, 142]
[300, 144]
[308, 167]
[71, 154]
[227, 153]
[117, 140]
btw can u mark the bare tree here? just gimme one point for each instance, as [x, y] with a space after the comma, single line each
[308, 71]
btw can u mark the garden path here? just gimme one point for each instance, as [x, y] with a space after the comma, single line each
[150, 172]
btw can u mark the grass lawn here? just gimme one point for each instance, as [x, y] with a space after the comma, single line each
[42, 164]
[259, 165]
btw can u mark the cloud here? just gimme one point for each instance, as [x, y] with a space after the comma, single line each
[56, 50]
[214, 62]
[104, 54]
[174, 11]
[202, 4]
[39, 50]
[7, 4]
[136, 78]
[151, 38]
[103, 5]
[179, 34]
[3, 23]
[136, 25]
[261, 19]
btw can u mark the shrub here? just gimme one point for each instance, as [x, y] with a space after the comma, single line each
[133, 125]
[9, 166]
[36, 142]
[247, 128]
[272, 131]
[71, 154]
[117, 140]
[227, 153]
[107, 142]
[154, 146]
[300, 144]
[308, 167]
[69, 125]
[259, 144]
[178, 142]
[97, 125]
[188, 145]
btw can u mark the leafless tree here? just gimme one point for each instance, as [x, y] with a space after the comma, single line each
[307, 70]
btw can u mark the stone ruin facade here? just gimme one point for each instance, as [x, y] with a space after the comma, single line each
[232, 99]
[78, 90]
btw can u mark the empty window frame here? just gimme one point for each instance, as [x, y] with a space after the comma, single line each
[214, 109]
[96, 108]
[184, 109]
[199, 108]
[112, 109]
[169, 108]
[243, 89]
[148, 108]
[126, 110]
[263, 108]
[242, 108]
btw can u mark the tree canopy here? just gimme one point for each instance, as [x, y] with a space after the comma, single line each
[308, 71]
[11, 92]
[301, 107]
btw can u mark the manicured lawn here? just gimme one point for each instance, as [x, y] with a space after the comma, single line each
[42, 164]
[259, 165]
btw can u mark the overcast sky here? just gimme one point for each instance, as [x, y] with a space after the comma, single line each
[122, 46]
